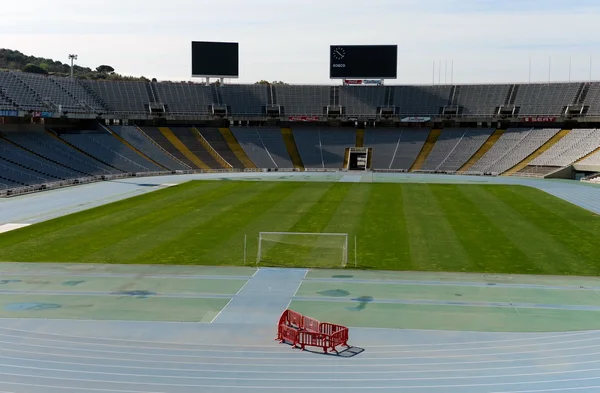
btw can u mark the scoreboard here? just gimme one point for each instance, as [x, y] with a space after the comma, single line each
[363, 61]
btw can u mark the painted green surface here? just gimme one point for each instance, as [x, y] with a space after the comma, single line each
[580, 297]
[164, 285]
[88, 268]
[419, 227]
[125, 308]
[458, 318]
[378, 276]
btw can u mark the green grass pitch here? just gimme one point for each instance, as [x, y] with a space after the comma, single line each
[426, 227]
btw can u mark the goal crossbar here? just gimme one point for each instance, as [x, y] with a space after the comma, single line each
[316, 250]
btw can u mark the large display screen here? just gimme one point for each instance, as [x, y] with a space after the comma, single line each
[215, 59]
[363, 61]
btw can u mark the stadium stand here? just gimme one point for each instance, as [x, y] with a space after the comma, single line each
[303, 100]
[50, 92]
[421, 100]
[218, 142]
[512, 147]
[106, 148]
[577, 144]
[19, 94]
[142, 142]
[454, 147]
[10, 152]
[264, 146]
[594, 159]
[185, 98]
[189, 137]
[361, 100]
[480, 100]
[395, 149]
[121, 96]
[75, 89]
[163, 142]
[249, 100]
[545, 98]
[592, 99]
[55, 150]
[323, 147]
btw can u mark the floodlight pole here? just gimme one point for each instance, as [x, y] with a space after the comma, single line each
[72, 58]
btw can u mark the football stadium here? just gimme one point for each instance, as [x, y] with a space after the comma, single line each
[375, 236]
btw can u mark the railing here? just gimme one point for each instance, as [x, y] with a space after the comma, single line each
[299, 330]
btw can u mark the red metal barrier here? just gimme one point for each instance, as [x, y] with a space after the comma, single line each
[298, 330]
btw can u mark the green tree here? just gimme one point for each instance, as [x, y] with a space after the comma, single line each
[105, 69]
[34, 69]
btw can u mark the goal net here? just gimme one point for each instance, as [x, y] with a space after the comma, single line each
[324, 250]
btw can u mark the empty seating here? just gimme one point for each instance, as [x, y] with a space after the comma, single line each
[592, 99]
[189, 138]
[481, 100]
[121, 96]
[594, 159]
[421, 100]
[512, 147]
[10, 152]
[323, 147]
[59, 152]
[162, 140]
[214, 137]
[245, 99]
[383, 144]
[74, 88]
[573, 146]
[18, 93]
[185, 98]
[408, 147]
[50, 92]
[303, 100]
[362, 100]
[264, 146]
[111, 151]
[454, 147]
[544, 98]
[150, 148]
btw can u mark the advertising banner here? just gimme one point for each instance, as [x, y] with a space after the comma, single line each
[303, 118]
[539, 119]
[415, 119]
[9, 113]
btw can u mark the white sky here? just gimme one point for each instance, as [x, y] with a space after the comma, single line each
[488, 40]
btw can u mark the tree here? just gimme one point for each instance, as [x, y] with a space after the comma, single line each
[32, 68]
[105, 69]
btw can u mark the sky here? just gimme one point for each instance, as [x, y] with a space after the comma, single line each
[475, 41]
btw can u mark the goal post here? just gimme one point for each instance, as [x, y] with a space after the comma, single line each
[303, 249]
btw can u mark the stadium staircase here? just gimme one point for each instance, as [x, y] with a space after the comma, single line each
[426, 150]
[129, 145]
[482, 150]
[166, 131]
[292, 148]
[360, 137]
[551, 142]
[236, 148]
[224, 164]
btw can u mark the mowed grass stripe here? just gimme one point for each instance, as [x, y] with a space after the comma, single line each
[479, 236]
[433, 241]
[427, 227]
[163, 228]
[197, 244]
[279, 216]
[389, 250]
[542, 255]
[559, 246]
[91, 231]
